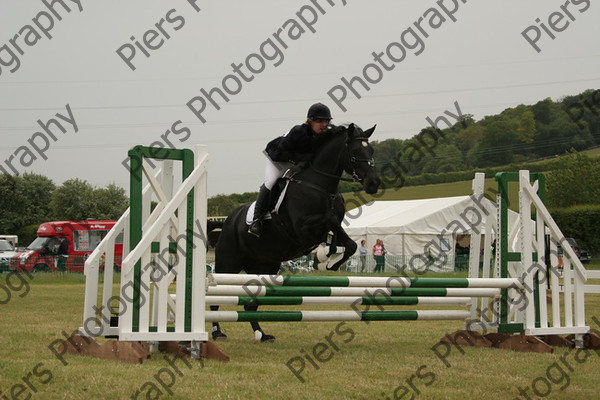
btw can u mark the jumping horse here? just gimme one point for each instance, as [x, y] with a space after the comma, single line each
[311, 208]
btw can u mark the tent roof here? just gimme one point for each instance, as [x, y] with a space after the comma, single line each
[429, 216]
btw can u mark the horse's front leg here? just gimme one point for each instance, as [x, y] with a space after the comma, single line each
[216, 328]
[259, 335]
[333, 240]
[349, 247]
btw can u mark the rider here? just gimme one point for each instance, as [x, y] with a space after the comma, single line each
[288, 151]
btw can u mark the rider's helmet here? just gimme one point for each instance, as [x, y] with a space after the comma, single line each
[318, 111]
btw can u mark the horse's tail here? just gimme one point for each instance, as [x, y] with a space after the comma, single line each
[213, 231]
[228, 249]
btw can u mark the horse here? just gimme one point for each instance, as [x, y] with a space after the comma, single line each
[311, 208]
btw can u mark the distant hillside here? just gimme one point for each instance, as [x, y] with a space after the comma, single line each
[440, 163]
[519, 135]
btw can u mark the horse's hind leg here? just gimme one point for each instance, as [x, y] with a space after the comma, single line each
[216, 328]
[260, 268]
[259, 335]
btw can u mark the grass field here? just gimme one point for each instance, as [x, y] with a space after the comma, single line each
[463, 188]
[380, 360]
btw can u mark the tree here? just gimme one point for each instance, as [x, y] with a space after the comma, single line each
[24, 200]
[447, 159]
[110, 202]
[386, 151]
[575, 181]
[469, 138]
[526, 127]
[498, 144]
[561, 135]
[221, 205]
[74, 201]
[543, 111]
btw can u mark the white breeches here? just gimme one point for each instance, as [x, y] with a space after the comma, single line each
[273, 171]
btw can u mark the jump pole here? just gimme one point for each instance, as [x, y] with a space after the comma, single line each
[324, 300]
[364, 281]
[289, 316]
[259, 291]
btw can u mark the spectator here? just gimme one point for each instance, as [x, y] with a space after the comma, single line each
[379, 255]
[62, 254]
[362, 251]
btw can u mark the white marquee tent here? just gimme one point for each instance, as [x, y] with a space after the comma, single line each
[417, 230]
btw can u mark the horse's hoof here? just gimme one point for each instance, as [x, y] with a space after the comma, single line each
[267, 338]
[218, 335]
[260, 336]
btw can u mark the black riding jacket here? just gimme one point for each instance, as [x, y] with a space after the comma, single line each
[298, 145]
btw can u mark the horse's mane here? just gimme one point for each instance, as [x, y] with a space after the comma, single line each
[335, 132]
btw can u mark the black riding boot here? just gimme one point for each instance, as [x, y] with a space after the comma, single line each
[260, 209]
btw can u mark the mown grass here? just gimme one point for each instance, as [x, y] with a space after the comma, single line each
[367, 361]
[463, 188]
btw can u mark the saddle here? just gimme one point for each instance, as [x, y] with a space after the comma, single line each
[276, 198]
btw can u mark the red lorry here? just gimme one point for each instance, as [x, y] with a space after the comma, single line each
[82, 238]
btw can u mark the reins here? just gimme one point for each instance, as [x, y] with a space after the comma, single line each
[351, 160]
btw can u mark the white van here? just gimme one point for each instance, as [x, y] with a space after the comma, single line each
[12, 239]
[7, 251]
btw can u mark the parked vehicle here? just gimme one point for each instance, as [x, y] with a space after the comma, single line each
[12, 239]
[583, 254]
[82, 238]
[7, 251]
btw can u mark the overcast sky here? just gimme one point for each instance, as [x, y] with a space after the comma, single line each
[481, 60]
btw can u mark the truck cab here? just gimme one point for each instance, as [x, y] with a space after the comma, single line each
[82, 238]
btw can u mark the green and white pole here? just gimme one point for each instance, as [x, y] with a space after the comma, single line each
[289, 316]
[260, 291]
[346, 300]
[362, 281]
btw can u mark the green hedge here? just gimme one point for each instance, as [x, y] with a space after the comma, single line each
[581, 223]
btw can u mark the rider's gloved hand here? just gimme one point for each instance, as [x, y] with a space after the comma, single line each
[294, 168]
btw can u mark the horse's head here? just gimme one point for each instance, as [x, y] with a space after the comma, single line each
[360, 163]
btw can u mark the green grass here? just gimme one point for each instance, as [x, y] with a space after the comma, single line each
[371, 360]
[463, 188]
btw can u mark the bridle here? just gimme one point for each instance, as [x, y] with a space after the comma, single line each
[351, 161]
[355, 178]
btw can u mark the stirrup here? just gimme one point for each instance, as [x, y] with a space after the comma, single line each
[255, 228]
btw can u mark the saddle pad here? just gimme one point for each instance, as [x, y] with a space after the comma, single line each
[250, 213]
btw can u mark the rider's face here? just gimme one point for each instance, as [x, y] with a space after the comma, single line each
[319, 125]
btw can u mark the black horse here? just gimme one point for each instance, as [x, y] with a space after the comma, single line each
[311, 208]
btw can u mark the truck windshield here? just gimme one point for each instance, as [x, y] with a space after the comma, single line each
[38, 243]
[5, 246]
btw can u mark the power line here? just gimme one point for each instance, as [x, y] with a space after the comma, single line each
[309, 74]
[455, 90]
[253, 120]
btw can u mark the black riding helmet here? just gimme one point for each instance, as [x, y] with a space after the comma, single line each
[318, 111]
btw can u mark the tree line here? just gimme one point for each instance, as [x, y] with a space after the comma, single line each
[516, 135]
[28, 200]
[512, 138]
